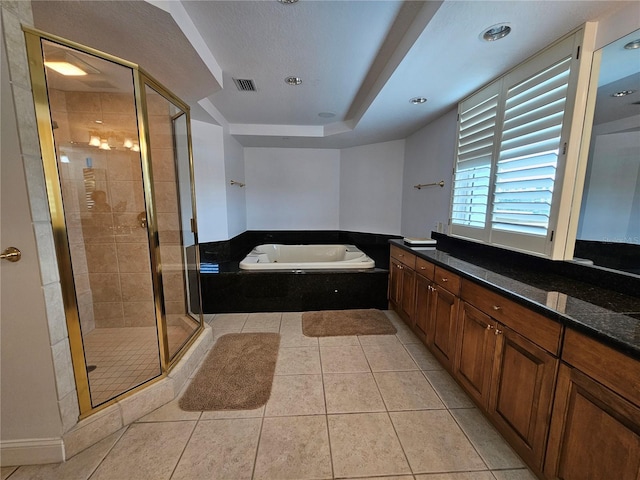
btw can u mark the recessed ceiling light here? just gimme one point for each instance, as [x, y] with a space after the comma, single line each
[622, 93]
[293, 80]
[326, 114]
[287, 2]
[418, 100]
[496, 32]
[633, 45]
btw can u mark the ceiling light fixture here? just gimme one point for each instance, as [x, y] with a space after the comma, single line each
[287, 2]
[623, 93]
[94, 141]
[418, 100]
[104, 145]
[66, 69]
[326, 114]
[293, 80]
[635, 44]
[496, 32]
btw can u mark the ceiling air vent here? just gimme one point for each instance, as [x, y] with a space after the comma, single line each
[245, 85]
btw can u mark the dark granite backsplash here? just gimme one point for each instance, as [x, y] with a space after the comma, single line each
[540, 270]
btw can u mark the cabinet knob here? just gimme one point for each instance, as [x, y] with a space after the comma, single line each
[497, 307]
[444, 279]
[489, 327]
[399, 267]
[423, 268]
[498, 332]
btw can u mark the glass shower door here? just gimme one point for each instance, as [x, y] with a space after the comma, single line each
[172, 186]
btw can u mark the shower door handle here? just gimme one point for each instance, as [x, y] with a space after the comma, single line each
[142, 219]
[11, 254]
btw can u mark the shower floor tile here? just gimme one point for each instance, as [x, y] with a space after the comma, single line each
[125, 357]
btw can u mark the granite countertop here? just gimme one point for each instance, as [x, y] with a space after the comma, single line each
[609, 316]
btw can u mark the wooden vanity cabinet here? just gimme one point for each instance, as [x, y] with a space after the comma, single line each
[475, 352]
[595, 428]
[573, 418]
[441, 329]
[423, 310]
[509, 375]
[402, 283]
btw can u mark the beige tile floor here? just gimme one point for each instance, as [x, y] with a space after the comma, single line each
[370, 407]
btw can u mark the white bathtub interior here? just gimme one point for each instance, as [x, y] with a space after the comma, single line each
[286, 257]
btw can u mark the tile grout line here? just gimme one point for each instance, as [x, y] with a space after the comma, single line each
[126, 429]
[255, 457]
[184, 449]
[326, 413]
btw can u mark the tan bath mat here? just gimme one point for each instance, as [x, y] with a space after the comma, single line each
[332, 323]
[236, 375]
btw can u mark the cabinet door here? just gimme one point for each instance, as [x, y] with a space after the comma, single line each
[422, 311]
[522, 392]
[407, 294]
[475, 349]
[395, 277]
[442, 335]
[595, 433]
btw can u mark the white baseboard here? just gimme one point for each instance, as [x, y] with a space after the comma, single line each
[31, 451]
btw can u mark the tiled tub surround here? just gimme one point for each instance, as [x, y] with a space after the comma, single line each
[605, 313]
[228, 289]
[341, 407]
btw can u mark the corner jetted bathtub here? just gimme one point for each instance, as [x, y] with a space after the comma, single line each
[306, 257]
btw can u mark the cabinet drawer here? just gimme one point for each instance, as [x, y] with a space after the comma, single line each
[424, 268]
[404, 257]
[606, 365]
[537, 328]
[447, 280]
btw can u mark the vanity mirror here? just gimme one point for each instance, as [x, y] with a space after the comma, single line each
[609, 227]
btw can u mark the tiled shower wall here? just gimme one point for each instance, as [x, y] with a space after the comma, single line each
[109, 245]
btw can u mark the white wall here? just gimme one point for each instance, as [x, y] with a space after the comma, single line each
[292, 188]
[371, 187]
[429, 157]
[209, 174]
[236, 196]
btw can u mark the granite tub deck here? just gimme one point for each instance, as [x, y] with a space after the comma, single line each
[607, 315]
[228, 289]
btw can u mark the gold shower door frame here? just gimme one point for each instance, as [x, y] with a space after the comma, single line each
[141, 79]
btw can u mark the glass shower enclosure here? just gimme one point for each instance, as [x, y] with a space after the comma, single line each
[116, 152]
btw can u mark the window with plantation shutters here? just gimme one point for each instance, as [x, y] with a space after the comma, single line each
[529, 148]
[513, 178]
[473, 165]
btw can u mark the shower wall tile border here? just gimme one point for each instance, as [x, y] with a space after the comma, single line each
[69, 411]
[65, 381]
[46, 253]
[55, 313]
[15, 43]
